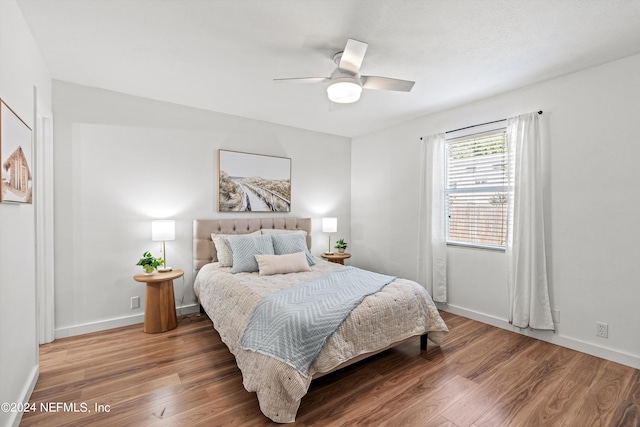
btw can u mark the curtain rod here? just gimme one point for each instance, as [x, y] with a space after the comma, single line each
[481, 124]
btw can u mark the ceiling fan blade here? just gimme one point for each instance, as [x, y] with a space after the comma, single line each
[386, 83]
[352, 56]
[303, 80]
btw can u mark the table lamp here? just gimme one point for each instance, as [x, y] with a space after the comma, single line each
[329, 225]
[163, 230]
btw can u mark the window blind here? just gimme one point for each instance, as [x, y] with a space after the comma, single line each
[476, 189]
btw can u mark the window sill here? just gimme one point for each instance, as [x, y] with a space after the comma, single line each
[492, 248]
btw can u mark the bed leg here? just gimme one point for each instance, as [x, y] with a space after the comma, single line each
[423, 341]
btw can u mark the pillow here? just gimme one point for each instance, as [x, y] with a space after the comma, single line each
[282, 264]
[291, 243]
[223, 249]
[273, 231]
[245, 248]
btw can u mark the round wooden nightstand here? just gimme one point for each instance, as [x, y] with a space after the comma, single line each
[337, 257]
[160, 305]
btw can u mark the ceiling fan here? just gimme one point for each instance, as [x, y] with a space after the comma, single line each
[346, 83]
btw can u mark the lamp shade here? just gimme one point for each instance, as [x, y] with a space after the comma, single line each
[329, 225]
[163, 229]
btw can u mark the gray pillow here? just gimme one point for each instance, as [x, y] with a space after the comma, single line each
[223, 249]
[284, 244]
[245, 248]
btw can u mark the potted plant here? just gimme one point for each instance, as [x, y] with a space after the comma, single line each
[341, 245]
[149, 262]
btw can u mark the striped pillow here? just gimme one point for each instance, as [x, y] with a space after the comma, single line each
[223, 249]
[273, 231]
[284, 244]
[245, 248]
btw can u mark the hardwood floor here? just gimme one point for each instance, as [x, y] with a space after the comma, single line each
[481, 376]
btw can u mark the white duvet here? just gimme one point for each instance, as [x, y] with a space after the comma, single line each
[401, 310]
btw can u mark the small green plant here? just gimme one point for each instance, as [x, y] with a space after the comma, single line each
[341, 244]
[149, 262]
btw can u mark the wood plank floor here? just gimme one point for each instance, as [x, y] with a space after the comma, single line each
[481, 376]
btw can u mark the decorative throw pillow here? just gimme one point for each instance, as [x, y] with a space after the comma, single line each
[273, 231]
[282, 264]
[245, 248]
[291, 243]
[223, 249]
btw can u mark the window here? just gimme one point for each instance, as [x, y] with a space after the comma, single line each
[476, 189]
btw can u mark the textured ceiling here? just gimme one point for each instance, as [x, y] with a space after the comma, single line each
[222, 55]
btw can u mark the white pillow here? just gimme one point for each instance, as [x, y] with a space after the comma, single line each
[282, 264]
[225, 256]
[223, 248]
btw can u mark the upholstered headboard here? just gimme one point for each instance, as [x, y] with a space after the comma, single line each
[204, 251]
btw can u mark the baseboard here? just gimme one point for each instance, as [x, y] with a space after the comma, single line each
[548, 336]
[116, 323]
[25, 396]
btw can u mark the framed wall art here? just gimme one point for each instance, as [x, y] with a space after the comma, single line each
[253, 182]
[16, 160]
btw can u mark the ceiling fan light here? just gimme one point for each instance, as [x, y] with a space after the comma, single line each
[344, 91]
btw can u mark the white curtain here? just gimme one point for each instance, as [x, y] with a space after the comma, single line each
[529, 304]
[432, 246]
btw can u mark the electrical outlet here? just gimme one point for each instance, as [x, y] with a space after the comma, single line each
[135, 302]
[602, 330]
[555, 314]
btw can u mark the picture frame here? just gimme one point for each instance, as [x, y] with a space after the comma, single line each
[253, 182]
[16, 157]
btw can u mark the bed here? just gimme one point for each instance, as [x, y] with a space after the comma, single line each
[231, 297]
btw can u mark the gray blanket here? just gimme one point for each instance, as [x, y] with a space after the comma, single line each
[292, 325]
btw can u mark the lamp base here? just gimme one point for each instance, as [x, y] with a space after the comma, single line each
[164, 269]
[328, 253]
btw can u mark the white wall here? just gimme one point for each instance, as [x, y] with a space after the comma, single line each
[122, 161]
[21, 69]
[590, 119]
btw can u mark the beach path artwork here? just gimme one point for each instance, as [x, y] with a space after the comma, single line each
[253, 182]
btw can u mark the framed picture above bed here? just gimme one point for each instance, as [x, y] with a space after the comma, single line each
[253, 182]
[15, 158]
